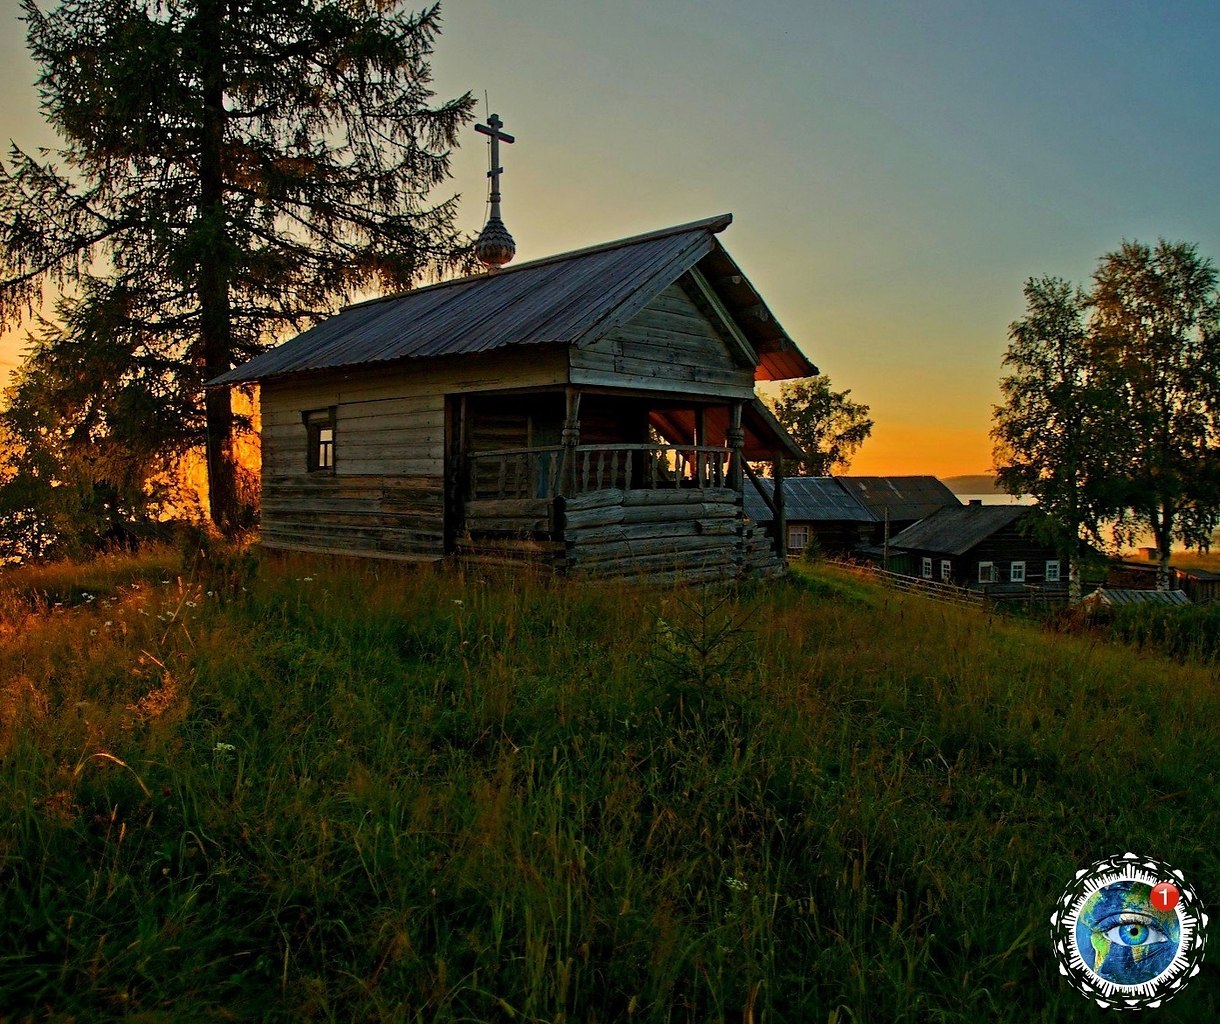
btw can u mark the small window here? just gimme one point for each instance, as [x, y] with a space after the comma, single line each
[798, 538]
[320, 430]
[946, 570]
[986, 572]
[1052, 572]
[1016, 572]
[927, 568]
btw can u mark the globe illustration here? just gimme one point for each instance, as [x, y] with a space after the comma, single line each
[1122, 937]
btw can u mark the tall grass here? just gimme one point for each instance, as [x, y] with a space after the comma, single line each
[344, 791]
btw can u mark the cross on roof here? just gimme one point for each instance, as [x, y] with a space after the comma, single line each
[492, 128]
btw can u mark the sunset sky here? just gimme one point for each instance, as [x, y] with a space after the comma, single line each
[895, 171]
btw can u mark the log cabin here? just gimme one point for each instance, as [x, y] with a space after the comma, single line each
[982, 547]
[593, 412]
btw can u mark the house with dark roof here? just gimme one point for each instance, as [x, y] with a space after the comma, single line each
[828, 512]
[592, 411]
[897, 502]
[980, 546]
[1200, 585]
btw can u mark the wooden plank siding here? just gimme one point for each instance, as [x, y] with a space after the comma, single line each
[671, 341]
[1002, 548]
[385, 497]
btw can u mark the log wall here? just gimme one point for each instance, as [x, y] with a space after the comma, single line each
[385, 496]
[690, 534]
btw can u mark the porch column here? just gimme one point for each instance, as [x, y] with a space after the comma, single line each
[569, 438]
[736, 438]
[781, 521]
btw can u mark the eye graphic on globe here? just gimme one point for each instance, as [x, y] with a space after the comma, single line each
[1129, 932]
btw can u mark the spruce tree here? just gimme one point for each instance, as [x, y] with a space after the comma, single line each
[228, 171]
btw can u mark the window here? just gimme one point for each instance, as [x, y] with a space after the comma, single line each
[1052, 572]
[320, 430]
[986, 572]
[946, 570]
[927, 568]
[1016, 572]
[798, 538]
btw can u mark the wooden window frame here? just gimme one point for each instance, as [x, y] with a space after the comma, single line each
[1052, 566]
[319, 453]
[946, 571]
[925, 569]
[987, 572]
[1013, 569]
[799, 530]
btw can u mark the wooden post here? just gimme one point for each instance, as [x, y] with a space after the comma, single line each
[569, 439]
[885, 541]
[737, 440]
[565, 479]
[781, 521]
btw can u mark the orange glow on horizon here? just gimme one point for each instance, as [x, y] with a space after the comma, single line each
[901, 449]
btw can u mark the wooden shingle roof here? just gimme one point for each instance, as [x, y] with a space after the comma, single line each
[954, 531]
[571, 299]
[905, 497]
[814, 499]
[1115, 596]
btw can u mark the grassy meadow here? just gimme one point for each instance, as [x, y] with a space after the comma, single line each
[286, 789]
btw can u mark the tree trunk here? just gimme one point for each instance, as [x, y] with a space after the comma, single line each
[1163, 534]
[215, 314]
[1074, 589]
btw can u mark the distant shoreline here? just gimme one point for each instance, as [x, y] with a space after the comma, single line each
[972, 483]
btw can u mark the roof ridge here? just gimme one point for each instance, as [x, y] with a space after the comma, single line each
[713, 224]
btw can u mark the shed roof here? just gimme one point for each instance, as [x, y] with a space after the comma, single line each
[906, 497]
[954, 531]
[572, 299]
[808, 499]
[1117, 596]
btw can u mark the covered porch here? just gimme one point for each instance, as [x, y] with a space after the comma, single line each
[613, 483]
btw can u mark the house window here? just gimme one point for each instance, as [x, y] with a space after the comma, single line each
[927, 568]
[320, 431]
[798, 538]
[946, 570]
[986, 572]
[1016, 572]
[1052, 572]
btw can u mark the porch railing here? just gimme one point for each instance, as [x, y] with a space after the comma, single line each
[536, 472]
[513, 473]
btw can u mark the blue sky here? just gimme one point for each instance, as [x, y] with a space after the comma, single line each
[895, 171]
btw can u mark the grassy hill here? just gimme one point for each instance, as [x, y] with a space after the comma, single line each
[304, 790]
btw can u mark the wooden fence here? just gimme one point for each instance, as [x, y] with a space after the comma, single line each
[946, 592]
[967, 597]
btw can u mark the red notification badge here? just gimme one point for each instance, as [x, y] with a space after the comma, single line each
[1165, 896]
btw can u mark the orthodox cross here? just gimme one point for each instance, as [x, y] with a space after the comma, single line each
[492, 128]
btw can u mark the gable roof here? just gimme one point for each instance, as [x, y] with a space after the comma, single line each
[807, 499]
[954, 531]
[570, 299]
[907, 497]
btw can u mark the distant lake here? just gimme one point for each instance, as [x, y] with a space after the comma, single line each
[995, 499]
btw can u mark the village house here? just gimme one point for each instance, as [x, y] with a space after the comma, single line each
[594, 412]
[897, 502]
[983, 547]
[840, 514]
[1200, 585]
